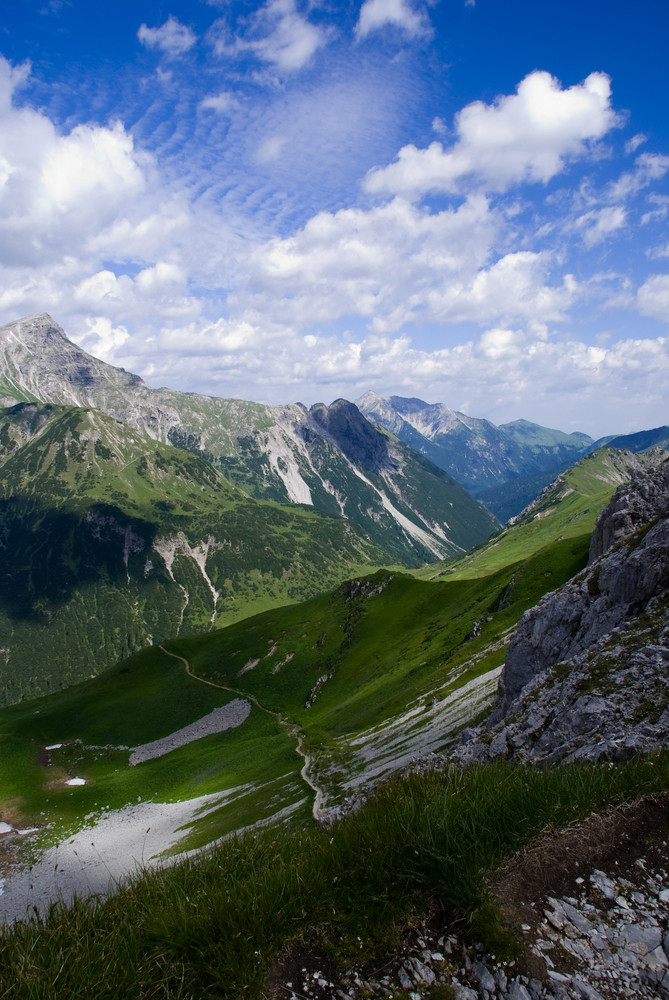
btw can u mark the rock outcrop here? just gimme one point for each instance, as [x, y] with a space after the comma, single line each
[585, 673]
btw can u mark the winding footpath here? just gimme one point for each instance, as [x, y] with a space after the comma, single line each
[317, 811]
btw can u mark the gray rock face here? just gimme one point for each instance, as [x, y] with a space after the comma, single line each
[585, 673]
[629, 565]
[643, 501]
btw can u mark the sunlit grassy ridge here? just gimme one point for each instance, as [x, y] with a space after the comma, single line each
[567, 509]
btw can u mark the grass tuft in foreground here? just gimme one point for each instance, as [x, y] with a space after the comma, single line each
[210, 926]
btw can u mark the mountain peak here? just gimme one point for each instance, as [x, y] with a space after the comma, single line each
[39, 362]
[354, 435]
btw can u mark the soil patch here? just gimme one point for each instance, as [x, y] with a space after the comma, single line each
[554, 863]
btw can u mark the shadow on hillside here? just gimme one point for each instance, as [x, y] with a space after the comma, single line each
[48, 553]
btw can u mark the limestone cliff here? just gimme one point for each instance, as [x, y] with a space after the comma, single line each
[586, 671]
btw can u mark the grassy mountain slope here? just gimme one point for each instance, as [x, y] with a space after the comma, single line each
[329, 458]
[213, 926]
[112, 541]
[567, 509]
[378, 671]
[347, 667]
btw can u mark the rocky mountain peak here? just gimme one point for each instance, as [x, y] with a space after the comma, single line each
[641, 501]
[354, 435]
[38, 361]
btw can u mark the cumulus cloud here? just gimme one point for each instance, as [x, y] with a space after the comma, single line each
[527, 136]
[57, 191]
[173, 38]
[376, 14]
[397, 264]
[653, 297]
[379, 264]
[71, 201]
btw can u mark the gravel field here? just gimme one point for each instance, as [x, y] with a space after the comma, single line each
[99, 856]
[226, 717]
[118, 843]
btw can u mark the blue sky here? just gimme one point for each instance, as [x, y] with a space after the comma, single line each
[462, 201]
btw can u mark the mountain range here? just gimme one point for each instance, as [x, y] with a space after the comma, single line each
[197, 642]
[330, 458]
[506, 466]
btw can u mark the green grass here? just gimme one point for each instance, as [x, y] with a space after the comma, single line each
[106, 527]
[568, 511]
[147, 697]
[210, 926]
[383, 643]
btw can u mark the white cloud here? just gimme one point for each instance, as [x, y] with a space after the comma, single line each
[653, 297]
[515, 287]
[381, 264]
[161, 287]
[398, 264]
[59, 191]
[659, 212]
[648, 167]
[633, 144]
[270, 148]
[173, 38]
[376, 14]
[601, 223]
[277, 34]
[528, 136]
[221, 103]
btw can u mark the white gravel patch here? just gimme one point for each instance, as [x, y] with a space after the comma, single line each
[97, 858]
[226, 717]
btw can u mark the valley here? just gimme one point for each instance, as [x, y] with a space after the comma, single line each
[362, 680]
[275, 640]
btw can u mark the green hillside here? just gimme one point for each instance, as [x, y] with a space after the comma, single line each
[372, 673]
[112, 541]
[566, 510]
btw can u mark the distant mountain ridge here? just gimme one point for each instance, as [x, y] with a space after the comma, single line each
[477, 453]
[326, 457]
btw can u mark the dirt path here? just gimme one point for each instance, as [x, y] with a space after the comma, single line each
[317, 810]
